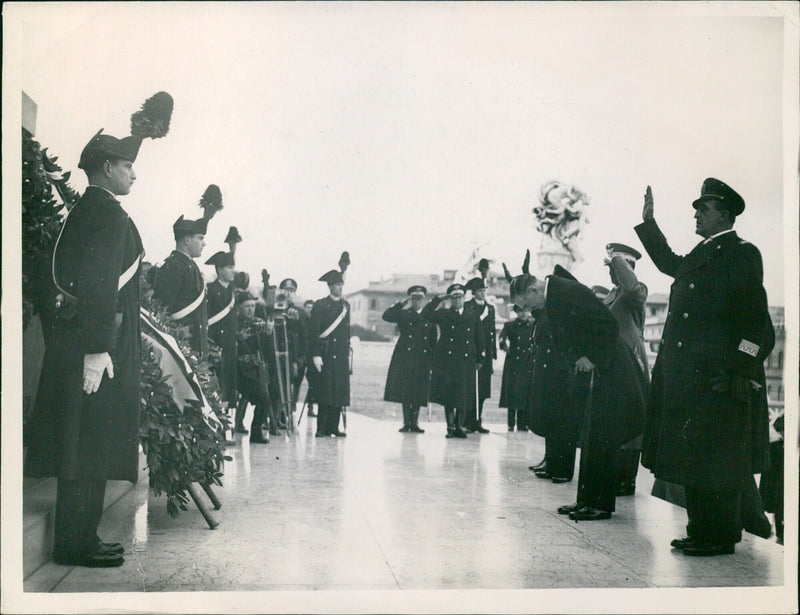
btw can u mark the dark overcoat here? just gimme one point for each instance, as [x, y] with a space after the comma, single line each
[223, 334]
[515, 387]
[332, 384]
[717, 320]
[178, 283]
[458, 353]
[486, 326]
[551, 410]
[408, 378]
[75, 435]
[583, 327]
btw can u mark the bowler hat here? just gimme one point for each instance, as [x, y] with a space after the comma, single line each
[716, 190]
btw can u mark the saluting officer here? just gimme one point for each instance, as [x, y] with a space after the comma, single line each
[458, 354]
[86, 422]
[486, 318]
[626, 302]
[222, 323]
[704, 419]
[408, 378]
[179, 285]
[329, 347]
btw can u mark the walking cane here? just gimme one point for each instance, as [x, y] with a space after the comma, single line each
[477, 400]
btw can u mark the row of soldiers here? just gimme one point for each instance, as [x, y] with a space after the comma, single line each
[265, 346]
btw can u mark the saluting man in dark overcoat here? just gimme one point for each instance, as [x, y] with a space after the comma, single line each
[704, 423]
[486, 325]
[457, 357]
[586, 336]
[408, 378]
[329, 347]
[86, 423]
[626, 301]
[222, 325]
[180, 286]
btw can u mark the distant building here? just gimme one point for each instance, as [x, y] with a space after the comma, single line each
[368, 304]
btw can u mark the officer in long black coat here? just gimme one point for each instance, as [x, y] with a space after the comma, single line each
[179, 285]
[587, 336]
[222, 326]
[86, 421]
[626, 301]
[329, 347]
[408, 378]
[705, 429]
[516, 338]
[458, 355]
[488, 331]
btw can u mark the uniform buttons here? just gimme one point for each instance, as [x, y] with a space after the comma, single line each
[548, 351]
[680, 344]
[465, 354]
[544, 364]
[685, 315]
[449, 352]
[691, 286]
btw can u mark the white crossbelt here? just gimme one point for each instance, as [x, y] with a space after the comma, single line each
[221, 314]
[128, 273]
[184, 312]
[334, 324]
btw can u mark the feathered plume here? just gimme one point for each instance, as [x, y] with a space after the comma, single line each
[526, 264]
[507, 273]
[233, 238]
[344, 261]
[211, 201]
[152, 120]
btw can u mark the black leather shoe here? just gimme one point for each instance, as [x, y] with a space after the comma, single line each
[680, 543]
[542, 474]
[241, 429]
[109, 548]
[626, 488]
[258, 439]
[319, 434]
[481, 429]
[460, 433]
[561, 479]
[416, 429]
[450, 434]
[707, 549]
[404, 429]
[588, 513]
[468, 430]
[93, 560]
[339, 434]
[568, 508]
[542, 465]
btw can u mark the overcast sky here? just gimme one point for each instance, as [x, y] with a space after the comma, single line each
[408, 134]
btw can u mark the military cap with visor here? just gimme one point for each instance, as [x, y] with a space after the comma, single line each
[626, 252]
[716, 190]
[455, 289]
[288, 284]
[476, 284]
[416, 290]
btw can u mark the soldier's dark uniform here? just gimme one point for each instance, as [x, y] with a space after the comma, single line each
[626, 302]
[408, 378]
[710, 441]
[458, 353]
[329, 338]
[517, 339]
[180, 287]
[222, 327]
[86, 439]
[486, 325]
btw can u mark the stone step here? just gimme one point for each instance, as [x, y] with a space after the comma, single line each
[38, 513]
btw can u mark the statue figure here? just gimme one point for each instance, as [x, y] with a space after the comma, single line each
[560, 215]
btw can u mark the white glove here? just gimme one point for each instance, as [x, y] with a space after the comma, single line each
[93, 367]
[317, 363]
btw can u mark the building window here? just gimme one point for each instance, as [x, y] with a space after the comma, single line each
[373, 304]
[780, 359]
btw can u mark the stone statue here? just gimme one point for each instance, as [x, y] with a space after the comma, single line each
[560, 216]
